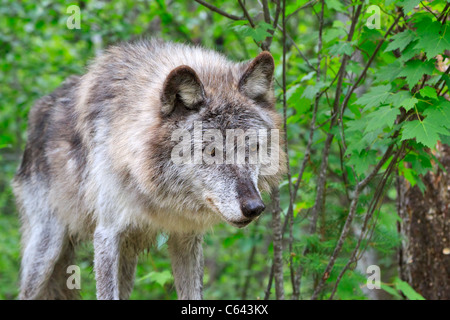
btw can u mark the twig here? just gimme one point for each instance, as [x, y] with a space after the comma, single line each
[324, 163]
[372, 206]
[219, 11]
[429, 10]
[265, 6]
[322, 172]
[277, 246]
[360, 186]
[246, 14]
[298, 49]
[296, 278]
[436, 86]
[361, 76]
[269, 284]
[306, 5]
[289, 217]
[284, 97]
[268, 40]
[344, 173]
[276, 213]
[251, 260]
[444, 13]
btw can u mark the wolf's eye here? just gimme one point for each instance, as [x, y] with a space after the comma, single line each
[212, 152]
[254, 147]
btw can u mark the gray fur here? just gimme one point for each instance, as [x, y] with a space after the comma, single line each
[97, 164]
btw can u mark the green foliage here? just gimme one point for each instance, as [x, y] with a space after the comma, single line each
[160, 278]
[407, 290]
[9, 257]
[402, 287]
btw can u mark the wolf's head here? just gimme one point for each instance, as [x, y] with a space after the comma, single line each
[224, 137]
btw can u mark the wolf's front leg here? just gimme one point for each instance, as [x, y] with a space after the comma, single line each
[186, 254]
[106, 263]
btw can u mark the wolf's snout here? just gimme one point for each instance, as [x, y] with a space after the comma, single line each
[251, 208]
[249, 198]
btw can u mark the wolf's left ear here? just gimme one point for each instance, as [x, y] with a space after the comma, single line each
[256, 82]
[182, 89]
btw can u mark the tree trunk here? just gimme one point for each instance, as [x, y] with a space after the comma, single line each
[424, 259]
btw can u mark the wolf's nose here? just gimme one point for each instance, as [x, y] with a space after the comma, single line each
[252, 208]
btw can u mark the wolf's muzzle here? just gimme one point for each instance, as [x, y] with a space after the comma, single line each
[252, 208]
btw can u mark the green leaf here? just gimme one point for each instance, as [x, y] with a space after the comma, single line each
[264, 25]
[433, 39]
[374, 97]
[414, 70]
[396, 98]
[401, 40]
[447, 80]
[408, 5]
[362, 160]
[383, 117]
[259, 33]
[425, 132]
[389, 72]
[408, 104]
[439, 114]
[310, 91]
[333, 33]
[410, 175]
[357, 125]
[294, 5]
[407, 290]
[410, 52]
[420, 162]
[294, 99]
[335, 5]
[342, 47]
[428, 92]
[390, 290]
[161, 278]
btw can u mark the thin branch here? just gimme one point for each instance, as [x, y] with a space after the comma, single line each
[361, 76]
[269, 284]
[298, 49]
[296, 278]
[251, 260]
[306, 5]
[268, 41]
[276, 214]
[323, 168]
[444, 13]
[320, 190]
[265, 6]
[219, 11]
[290, 217]
[277, 14]
[284, 96]
[277, 246]
[246, 14]
[372, 206]
[429, 10]
[436, 86]
[360, 186]
[344, 173]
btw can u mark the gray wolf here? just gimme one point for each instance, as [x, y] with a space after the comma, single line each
[97, 165]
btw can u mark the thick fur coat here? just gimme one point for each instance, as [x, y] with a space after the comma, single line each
[97, 164]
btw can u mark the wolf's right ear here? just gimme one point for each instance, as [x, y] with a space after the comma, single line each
[256, 82]
[182, 86]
